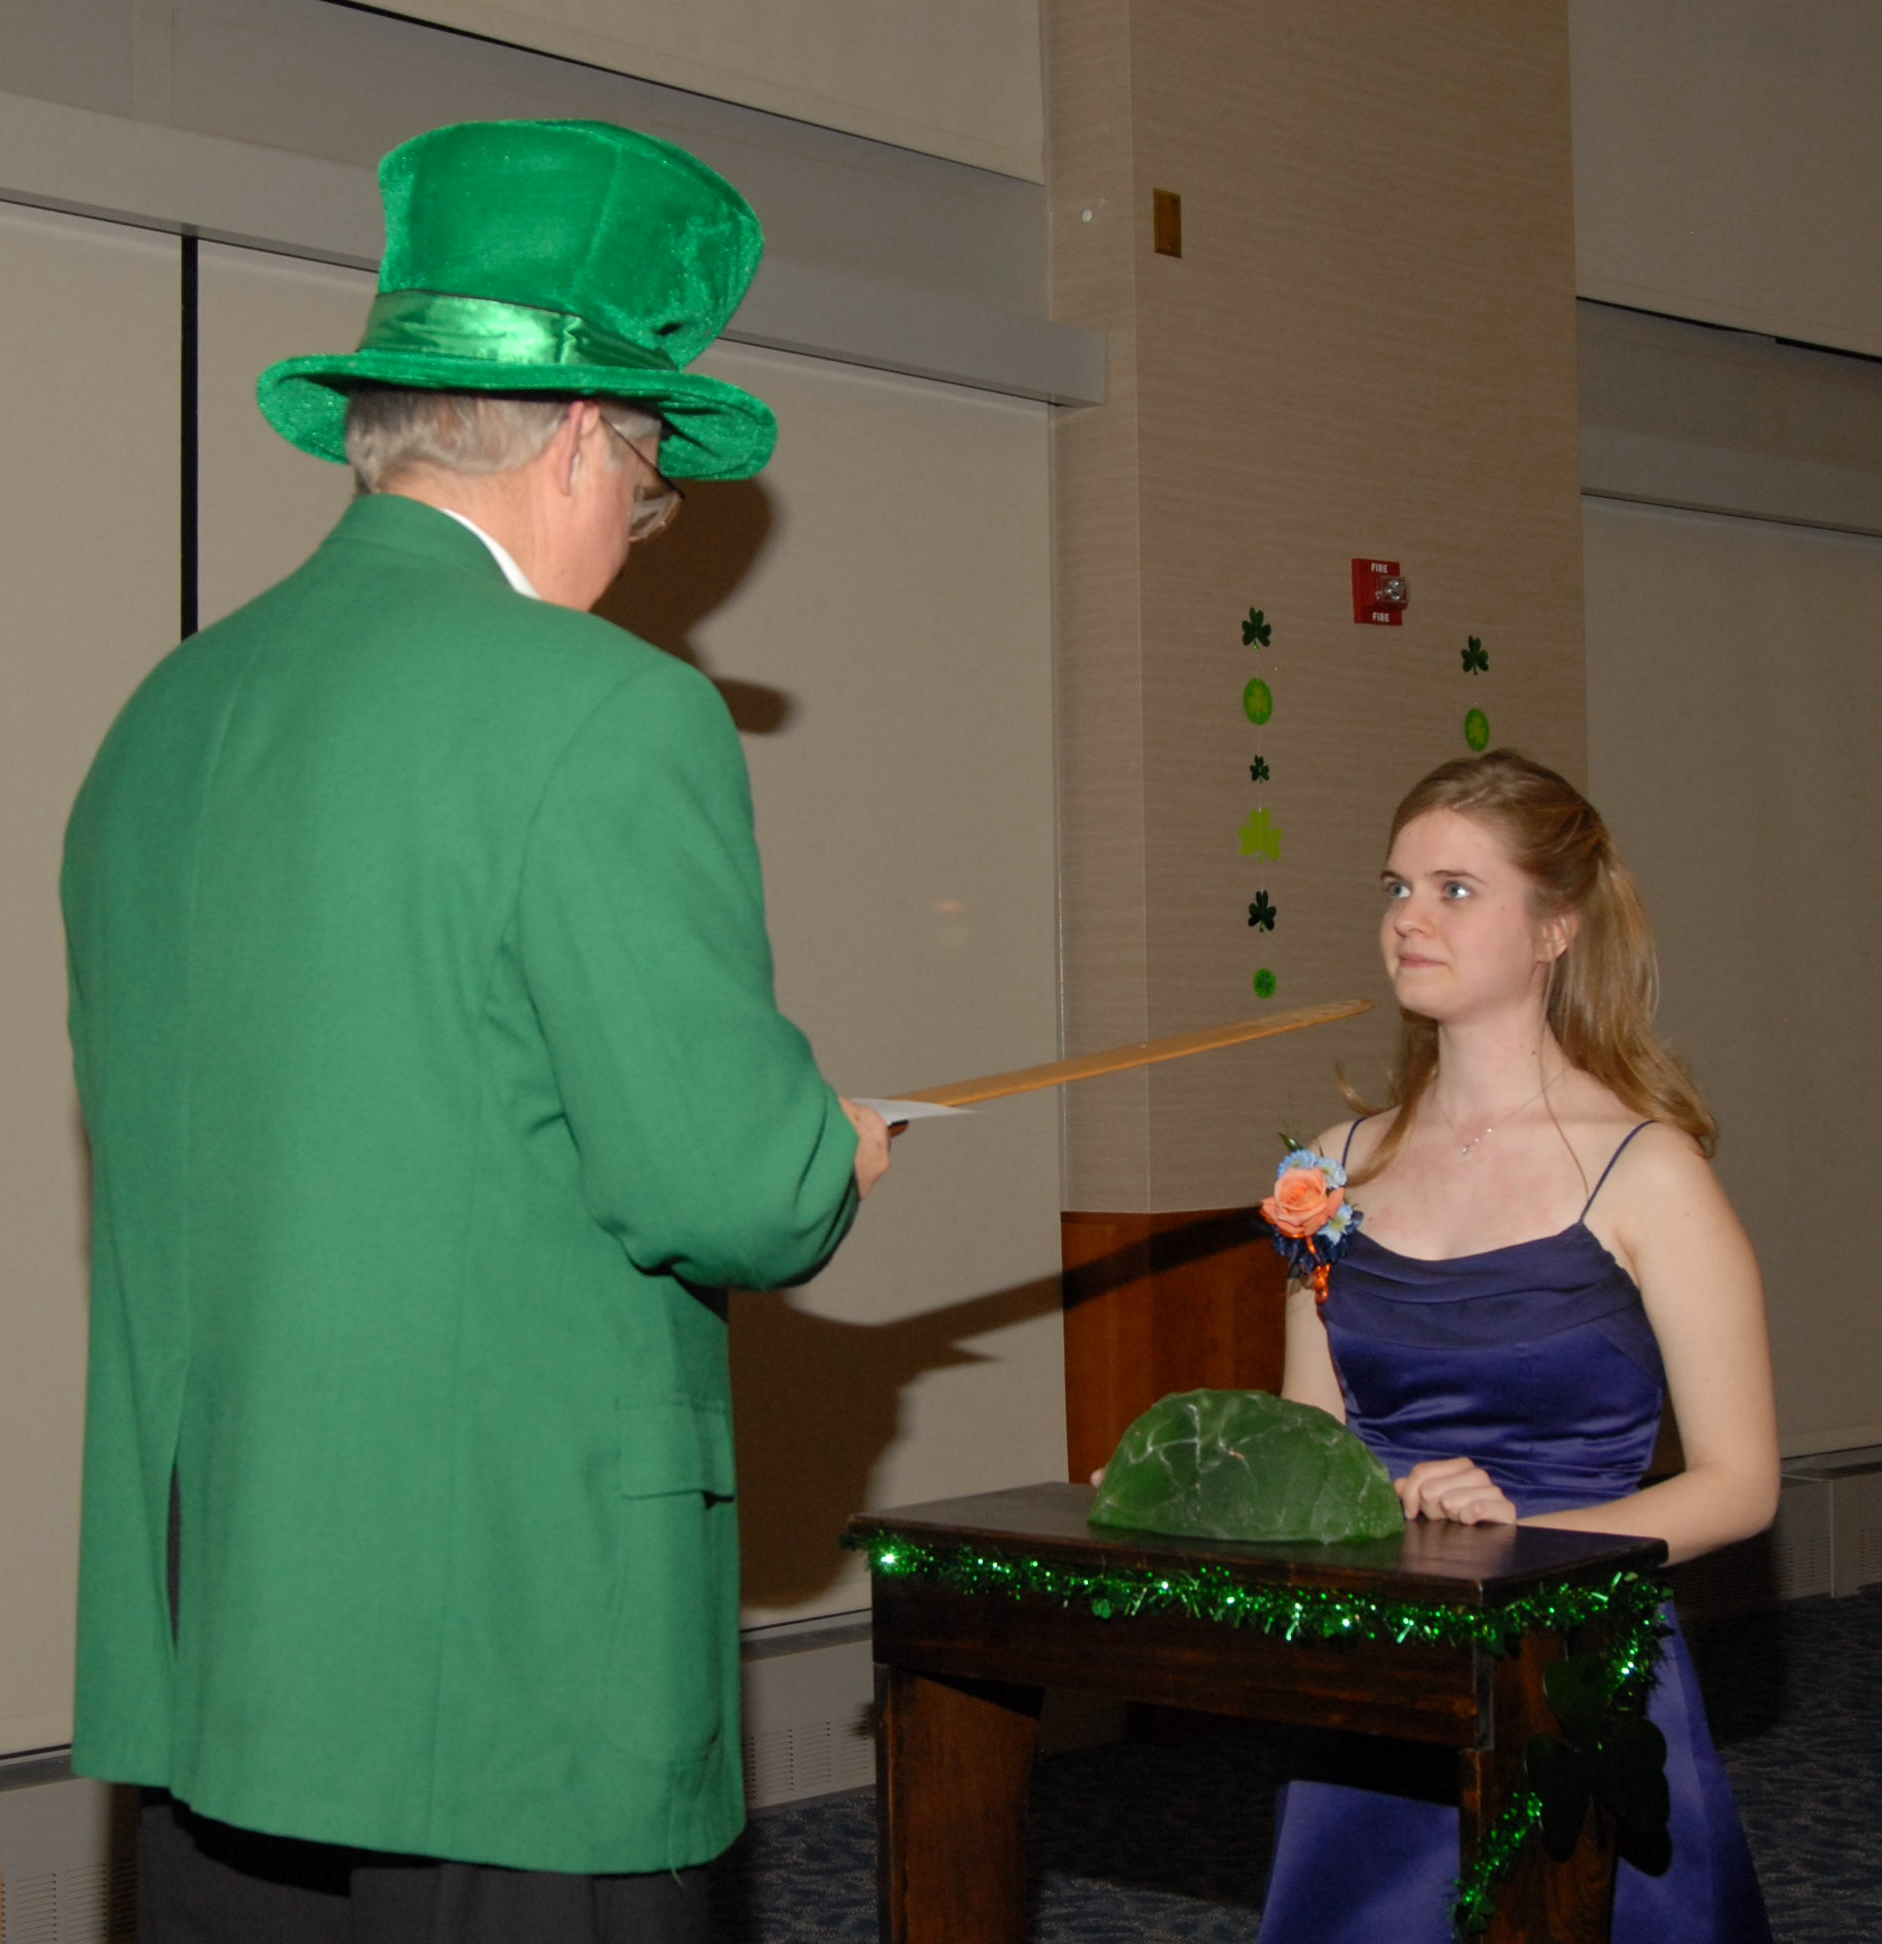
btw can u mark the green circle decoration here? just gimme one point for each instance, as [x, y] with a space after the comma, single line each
[1477, 730]
[1264, 984]
[1257, 701]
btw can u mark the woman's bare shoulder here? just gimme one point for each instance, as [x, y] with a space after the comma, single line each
[1364, 1135]
[1659, 1155]
[1659, 1179]
[1602, 1128]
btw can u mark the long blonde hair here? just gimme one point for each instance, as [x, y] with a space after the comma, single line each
[1602, 990]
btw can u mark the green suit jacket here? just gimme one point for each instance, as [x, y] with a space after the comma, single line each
[424, 1030]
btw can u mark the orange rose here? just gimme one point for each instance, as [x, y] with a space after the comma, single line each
[1302, 1202]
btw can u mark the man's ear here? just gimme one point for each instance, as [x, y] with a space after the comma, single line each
[563, 453]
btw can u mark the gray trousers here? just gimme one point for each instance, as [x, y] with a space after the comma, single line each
[204, 1882]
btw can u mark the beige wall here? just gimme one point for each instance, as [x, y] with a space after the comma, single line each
[1366, 348]
[306, 78]
[1732, 676]
[877, 606]
[1728, 155]
[262, 505]
[1728, 160]
[958, 78]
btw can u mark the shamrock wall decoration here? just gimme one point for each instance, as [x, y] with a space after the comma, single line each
[1261, 837]
[1261, 912]
[1258, 770]
[1257, 630]
[1476, 658]
[1608, 1752]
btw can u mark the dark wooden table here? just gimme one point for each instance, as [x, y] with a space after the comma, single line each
[960, 1676]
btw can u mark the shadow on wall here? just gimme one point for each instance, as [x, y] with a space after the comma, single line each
[817, 1402]
[670, 585]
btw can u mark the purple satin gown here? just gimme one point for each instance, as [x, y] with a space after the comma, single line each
[1536, 1361]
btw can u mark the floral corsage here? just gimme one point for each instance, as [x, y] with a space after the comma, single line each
[1308, 1216]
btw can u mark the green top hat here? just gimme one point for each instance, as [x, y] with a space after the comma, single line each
[566, 257]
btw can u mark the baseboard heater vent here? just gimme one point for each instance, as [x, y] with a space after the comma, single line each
[68, 1867]
[809, 1693]
[1853, 1482]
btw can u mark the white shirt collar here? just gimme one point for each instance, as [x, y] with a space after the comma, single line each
[499, 553]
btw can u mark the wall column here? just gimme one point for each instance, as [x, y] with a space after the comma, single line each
[1366, 348]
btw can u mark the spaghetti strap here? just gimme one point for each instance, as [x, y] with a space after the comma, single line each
[1609, 1169]
[1346, 1151]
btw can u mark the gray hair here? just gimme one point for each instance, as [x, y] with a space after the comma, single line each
[391, 430]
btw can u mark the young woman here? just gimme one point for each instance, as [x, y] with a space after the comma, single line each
[1545, 1255]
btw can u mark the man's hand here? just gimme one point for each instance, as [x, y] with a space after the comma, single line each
[872, 1145]
[1455, 1489]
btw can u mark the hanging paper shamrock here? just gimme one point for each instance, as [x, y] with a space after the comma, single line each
[1261, 912]
[1258, 770]
[1261, 837]
[1257, 630]
[1476, 658]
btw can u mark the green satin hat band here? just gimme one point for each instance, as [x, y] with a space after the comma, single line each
[436, 324]
[417, 339]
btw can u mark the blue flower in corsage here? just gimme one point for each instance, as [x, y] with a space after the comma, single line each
[1308, 1216]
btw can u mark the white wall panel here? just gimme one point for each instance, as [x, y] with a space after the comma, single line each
[88, 557]
[1733, 693]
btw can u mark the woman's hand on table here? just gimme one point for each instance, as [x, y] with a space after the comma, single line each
[1454, 1489]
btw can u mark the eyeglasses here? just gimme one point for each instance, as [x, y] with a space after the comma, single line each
[655, 510]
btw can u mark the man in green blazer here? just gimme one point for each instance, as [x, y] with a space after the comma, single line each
[423, 1021]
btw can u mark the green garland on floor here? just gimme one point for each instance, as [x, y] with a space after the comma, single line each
[1629, 1603]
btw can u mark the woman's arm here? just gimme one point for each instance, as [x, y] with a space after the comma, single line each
[1307, 1375]
[1670, 1221]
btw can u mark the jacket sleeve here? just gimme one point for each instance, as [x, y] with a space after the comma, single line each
[710, 1145]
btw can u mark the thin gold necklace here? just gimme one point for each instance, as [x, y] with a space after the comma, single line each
[1502, 1120]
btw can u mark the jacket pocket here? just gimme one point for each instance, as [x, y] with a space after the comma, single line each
[675, 1444]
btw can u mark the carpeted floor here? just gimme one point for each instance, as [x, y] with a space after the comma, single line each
[1168, 1845]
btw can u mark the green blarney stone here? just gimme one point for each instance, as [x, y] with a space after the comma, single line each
[1231, 1464]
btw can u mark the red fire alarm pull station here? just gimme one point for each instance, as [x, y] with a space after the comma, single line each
[1379, 593]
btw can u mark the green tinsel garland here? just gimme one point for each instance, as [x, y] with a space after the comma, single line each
[1630, 1603]
[1473, 1902]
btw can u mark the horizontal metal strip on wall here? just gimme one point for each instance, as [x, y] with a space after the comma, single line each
[73, 159]
[1680, 414]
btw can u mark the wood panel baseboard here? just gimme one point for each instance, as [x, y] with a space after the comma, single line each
[1159, 1303]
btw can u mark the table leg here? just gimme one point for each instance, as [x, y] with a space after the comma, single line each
[953, 1774]
[1542, 1902]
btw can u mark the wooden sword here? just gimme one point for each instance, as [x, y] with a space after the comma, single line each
[1120, 1059]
